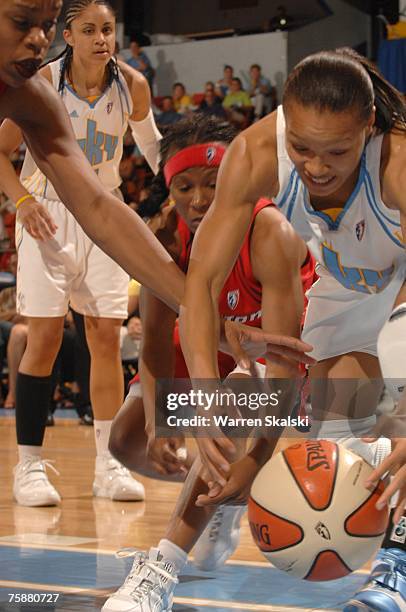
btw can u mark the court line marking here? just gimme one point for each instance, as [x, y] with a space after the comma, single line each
[207, 603]
[111, 553]
[54, 588]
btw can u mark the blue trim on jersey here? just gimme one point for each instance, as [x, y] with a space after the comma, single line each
[371, 185]
[293, 199]
[90, 104]
[288, 189]
[334, 225]
[377, 213]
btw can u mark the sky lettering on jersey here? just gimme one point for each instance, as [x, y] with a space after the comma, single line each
[97, 143]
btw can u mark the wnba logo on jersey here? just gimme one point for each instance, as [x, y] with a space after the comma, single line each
[233, 298]
[360, 229]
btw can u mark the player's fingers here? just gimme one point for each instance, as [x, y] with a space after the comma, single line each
[226, 444]
[47, 219]
[238, 353]
[44, 230]
[205, 500]
[378, 472]
[396, 483]
[290, 353]
[214, 471]
[400, 508]
[159, 468]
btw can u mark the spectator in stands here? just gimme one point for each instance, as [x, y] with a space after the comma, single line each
[212, 104]
[168, 115]
[238, 105]
[223, 86]
[260, 92]
[182, 102]
[140, 61]
[237, 97]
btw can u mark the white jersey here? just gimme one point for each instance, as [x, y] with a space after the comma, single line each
[99, 128]
[363, 247]
[360, 254]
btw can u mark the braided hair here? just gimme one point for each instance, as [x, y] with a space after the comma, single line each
[74, 9]
[196, 129]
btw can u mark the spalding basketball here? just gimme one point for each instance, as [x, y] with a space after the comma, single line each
[310, 513]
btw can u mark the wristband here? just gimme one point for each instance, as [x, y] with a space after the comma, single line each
[25, 197]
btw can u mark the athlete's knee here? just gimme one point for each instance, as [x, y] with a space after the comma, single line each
[19, 333]
[391, 348]
[127, 441]
[103, 336]
[44, 339]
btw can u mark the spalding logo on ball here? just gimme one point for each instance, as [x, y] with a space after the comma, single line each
[310, 513]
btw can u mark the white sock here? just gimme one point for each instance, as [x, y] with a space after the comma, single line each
[101, 435]
[171, 552]
[25, 451]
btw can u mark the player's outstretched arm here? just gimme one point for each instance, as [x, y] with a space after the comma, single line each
[107, 221]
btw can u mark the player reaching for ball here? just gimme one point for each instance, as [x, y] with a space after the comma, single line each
[333, 157]
[191, 154]
[33, 104]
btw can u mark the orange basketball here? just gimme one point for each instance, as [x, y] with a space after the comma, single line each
[310, 513]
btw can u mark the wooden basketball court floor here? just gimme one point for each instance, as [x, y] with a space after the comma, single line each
[63, 558]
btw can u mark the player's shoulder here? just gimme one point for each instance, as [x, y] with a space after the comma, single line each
[270, 222]
[133, 78]
[33, 101]
[393, 168]
[257, 145]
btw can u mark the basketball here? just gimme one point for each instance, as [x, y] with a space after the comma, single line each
[310, 514]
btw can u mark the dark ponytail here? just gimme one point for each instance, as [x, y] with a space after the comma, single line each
[341, 80]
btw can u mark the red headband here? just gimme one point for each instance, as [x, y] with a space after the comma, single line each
[208, 154]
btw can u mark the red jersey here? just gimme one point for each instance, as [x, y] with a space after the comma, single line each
[240, 298]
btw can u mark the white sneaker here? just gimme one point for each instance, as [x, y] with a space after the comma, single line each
[31, 485]
[114, 481]
[148, 587]
[220, 538]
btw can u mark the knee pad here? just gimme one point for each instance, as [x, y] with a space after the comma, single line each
[391, 348]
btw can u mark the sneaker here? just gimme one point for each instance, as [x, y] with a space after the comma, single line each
[148, 587]
[385, 590]
[220, 538]
[114, 481]
[31, 485]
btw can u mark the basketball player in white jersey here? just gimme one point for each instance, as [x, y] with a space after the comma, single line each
[333, 157]
[59, 265]
[32, 103]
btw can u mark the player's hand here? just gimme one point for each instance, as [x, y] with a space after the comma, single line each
[394, 465]
[247, 343]
[237, 488]
[167, 455]
[36, 220]
[215, 455]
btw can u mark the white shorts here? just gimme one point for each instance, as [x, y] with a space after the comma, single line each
[67, 269]
[340, 321]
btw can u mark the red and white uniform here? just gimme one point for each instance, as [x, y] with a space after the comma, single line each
[241, 297]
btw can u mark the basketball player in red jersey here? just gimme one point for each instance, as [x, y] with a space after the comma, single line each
[257, 292]
[27, 28]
